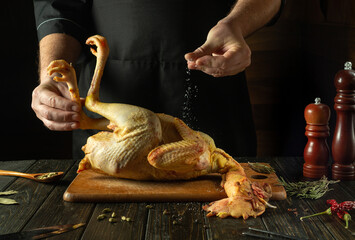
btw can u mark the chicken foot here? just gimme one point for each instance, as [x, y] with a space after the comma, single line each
[66, 73]
[245, 198]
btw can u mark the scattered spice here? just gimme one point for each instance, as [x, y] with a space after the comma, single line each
[339, 209]
[124, 218]
[106, 210]
[294, 210]
[175, 222]
[47, 175]
[308, 189]
[261, 168]
[112, 218]
[101, 217]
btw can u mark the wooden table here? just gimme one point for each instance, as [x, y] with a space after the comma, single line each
[41, 205]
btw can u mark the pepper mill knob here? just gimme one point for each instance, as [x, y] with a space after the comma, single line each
[343, 146]
[317, 113]
[316, 152]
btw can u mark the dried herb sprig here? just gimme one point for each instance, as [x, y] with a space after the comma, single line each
[7, 201]
[308, 189]
[261, 168]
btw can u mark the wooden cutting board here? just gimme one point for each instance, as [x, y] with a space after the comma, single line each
[90, 186]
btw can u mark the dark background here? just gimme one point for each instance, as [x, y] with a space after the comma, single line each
[25, 136]
[293, 62]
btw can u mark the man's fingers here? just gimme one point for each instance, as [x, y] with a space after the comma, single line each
[230, 63]
[55, 101]
[206, 49]
[56, 119]
[60, 126]
[56, 112]
[57, 115]
[216, 61]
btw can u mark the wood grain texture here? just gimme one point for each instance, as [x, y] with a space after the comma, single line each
[121, 230]
[20, 166]
[63, 212]
[30, 196]
[183, 220]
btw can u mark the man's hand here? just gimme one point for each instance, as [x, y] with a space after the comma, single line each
[224, 53]
[50, 99]
[52, 105]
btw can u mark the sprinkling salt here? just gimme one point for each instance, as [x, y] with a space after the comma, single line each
[190, 96]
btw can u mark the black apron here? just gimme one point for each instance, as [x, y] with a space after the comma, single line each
[146, 67]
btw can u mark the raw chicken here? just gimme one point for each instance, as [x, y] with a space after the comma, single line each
[139, 144]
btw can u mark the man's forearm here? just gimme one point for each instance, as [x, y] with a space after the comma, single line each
[250, 15]
[57, 46]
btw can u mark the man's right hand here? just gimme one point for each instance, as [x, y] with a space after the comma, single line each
[52, 104]
[50, 99]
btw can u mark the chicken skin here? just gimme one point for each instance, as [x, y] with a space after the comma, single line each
[138, 144]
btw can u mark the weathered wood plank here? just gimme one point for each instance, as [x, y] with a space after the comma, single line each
[122, 229]
[230, 228]
[182, 220]
[348, 186]
[30, 197]
[55, 211]
[19, 166]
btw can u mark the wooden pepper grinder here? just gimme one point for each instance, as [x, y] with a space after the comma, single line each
[316, 152]
[343, 147]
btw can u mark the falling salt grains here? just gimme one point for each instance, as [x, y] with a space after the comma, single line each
[190, 96]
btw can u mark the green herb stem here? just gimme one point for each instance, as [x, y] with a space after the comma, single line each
[327, 212]
[308, 189]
